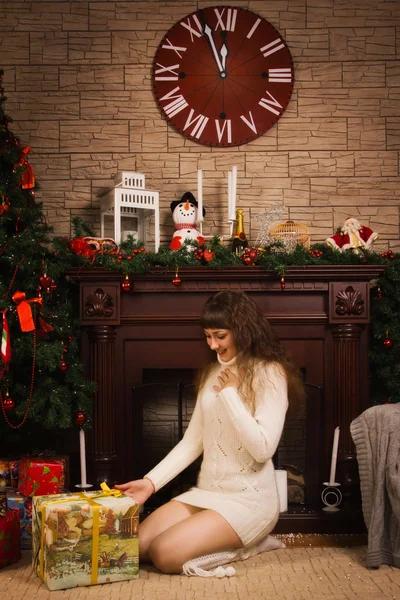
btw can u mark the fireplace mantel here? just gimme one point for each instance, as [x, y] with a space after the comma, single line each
[322, 317]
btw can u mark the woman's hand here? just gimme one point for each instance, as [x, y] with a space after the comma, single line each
[226, 379]
[139, 489]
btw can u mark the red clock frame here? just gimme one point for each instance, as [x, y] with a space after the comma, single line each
[222, 76]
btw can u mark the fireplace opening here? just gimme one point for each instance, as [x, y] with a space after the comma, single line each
[163, 405]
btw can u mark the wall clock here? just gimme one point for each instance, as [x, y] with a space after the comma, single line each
[222, 76]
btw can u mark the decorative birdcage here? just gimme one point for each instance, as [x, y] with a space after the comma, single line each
[129, 199]
[290, 234]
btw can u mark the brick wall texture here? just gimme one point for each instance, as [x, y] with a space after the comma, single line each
[78, 83]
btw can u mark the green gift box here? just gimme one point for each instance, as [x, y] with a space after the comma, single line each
[85, 538]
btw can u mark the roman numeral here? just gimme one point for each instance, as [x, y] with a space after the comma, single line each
[179, 103]
[201, 121]
[170, 70]
[268, 104]
[280, 75]
[230, 19]
[190, 28]
[252, 30]
[220, 131]
[272, 47]
[250, 123]
[176, 49]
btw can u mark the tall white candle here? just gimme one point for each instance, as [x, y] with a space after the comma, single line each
[281, 484]
[334, 456]
[83, 456]
[200, 195]
[230, 196]
[234, 187]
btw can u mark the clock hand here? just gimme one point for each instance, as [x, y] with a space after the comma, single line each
[223, 50]
[208, 33]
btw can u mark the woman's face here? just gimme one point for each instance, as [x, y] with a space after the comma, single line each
[222, 341]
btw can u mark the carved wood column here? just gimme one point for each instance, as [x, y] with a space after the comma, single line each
[349, 312]
[100, 314]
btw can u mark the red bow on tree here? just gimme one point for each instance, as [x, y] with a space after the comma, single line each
[28, 176]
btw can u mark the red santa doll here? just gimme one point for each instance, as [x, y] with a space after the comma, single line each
[352, 236]
[185, 217]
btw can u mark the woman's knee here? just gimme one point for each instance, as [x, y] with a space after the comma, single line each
[164, 556]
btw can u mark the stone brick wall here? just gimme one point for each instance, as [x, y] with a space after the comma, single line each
[77, 78]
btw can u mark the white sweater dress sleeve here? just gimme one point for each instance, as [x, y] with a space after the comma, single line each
[182, 455]
[260, 433]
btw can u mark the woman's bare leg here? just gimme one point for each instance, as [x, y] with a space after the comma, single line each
[159, 521]
[204, 532]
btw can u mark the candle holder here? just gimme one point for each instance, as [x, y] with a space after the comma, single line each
[331, 490]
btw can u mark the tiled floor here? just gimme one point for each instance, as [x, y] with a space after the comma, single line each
[301, 572]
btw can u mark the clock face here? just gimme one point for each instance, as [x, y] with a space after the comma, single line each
[222, 76]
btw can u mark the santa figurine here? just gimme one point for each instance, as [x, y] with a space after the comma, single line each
[185, 217]
[352, 236]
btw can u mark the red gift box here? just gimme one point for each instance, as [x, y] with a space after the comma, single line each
[10, 541]
[40, 476]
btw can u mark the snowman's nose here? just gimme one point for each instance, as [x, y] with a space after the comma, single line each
[187, 205]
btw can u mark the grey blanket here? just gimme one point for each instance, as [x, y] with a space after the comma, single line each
[376, 434]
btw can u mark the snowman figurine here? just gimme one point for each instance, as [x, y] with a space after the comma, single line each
[184, 215]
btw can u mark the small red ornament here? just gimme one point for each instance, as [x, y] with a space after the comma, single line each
[63, 366]
[45, 282]
[379, 294]
[282, 283]
[126, 285]
[80, 418]
[177, 281]
[387, 343]
[8, 403]
[3, 208]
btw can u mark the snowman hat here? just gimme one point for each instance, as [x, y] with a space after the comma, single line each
[190, 198]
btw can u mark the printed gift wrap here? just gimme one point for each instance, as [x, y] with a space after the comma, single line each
[10, 543]
[40, 476]
[85, 538]
[17, 501]
[8, 473]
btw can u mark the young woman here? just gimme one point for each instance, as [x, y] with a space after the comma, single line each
[237, 423]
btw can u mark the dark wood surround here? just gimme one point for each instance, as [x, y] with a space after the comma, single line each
[322, 317]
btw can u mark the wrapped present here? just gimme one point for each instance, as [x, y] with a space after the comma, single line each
[85, 538]
[64, 460]
[16, 501]
[8, 473]
[39, 476]
[10, 543]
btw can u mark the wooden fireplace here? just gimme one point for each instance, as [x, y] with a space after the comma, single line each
[322, 317]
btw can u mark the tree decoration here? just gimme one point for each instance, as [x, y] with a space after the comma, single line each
[388, 254]
[177, 280]
[250, 255]
[379, 293]
[387, 342]
[80, 418]
[8, 403]
[126, 285]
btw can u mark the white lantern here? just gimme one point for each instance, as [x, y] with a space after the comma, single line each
[129, 198]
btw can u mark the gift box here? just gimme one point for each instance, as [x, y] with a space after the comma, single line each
[40, 476]
[10, 543]
[17, 501]
[64, 460]
[8, 473]
[85, 538]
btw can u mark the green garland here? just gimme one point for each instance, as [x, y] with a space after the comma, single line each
[133, 259]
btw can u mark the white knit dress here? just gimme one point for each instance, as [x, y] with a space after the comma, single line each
[237, 477]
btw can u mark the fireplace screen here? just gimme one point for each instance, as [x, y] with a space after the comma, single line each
[162, 406]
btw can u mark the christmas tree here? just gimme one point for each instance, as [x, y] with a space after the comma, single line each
[42, 386]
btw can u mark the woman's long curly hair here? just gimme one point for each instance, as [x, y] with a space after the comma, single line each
[254, 340]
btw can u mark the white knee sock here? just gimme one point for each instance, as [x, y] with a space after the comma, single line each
[210, 565]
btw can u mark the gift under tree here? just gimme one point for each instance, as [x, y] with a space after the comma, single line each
[41, 378]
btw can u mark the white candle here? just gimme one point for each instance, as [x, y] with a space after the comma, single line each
[281, 484]
[83, 457]
[234, 186]
[230, 196]
[199, 195]
[334, 456]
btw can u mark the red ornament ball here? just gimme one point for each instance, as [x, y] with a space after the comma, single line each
[387, 343]
[8, 403]
[80, 418]
[177, 281]
[63, 366]
[126, 285]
